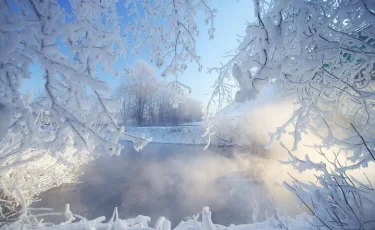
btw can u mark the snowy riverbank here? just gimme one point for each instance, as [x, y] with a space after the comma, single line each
[186, 134]
[229, 128]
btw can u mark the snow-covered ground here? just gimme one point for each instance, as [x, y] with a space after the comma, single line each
[185, 134]
[228, 126]
[227, 132]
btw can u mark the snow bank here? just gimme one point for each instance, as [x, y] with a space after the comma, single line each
[200, 221]
[187, 134]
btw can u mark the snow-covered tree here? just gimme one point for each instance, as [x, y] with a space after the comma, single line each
[43, 142]
[192, 110]
[150, 101]
[138, 90]
[322, 53]
[165, 105]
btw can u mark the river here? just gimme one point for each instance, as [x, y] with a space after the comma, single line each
[176, 181]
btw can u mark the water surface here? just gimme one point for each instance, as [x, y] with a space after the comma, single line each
[174, 181]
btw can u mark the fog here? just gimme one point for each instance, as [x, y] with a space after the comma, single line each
[176, 181]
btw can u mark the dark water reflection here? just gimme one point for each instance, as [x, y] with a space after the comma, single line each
[174, 181]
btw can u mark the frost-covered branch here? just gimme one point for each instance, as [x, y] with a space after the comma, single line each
[169, 28]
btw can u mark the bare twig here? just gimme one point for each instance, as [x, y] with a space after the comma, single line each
[363, 140]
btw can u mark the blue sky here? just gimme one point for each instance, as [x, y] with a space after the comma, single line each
[229, 23]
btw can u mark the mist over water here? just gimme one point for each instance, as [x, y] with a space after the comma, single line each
[175, 181]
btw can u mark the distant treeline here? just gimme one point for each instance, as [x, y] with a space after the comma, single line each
[147, 101]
